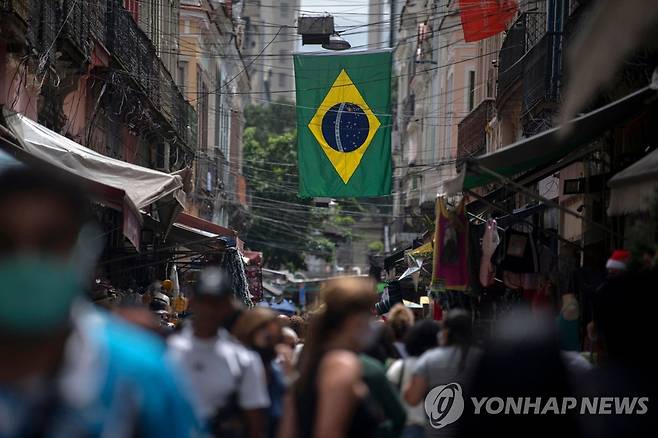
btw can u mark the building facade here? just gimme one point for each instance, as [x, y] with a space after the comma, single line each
[210, 71]
[436, 88]
[271, 37]
[100, 79]
[98, 72]
[520, 77]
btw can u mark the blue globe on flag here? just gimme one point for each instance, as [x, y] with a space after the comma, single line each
[345, 127]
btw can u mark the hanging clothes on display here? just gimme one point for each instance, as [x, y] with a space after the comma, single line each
[234, 265]
[520, 253]
[475, 232]
[490, 242]
[450, 264]
[437, 311]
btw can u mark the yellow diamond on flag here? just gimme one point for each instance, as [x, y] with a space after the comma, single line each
[344, 126]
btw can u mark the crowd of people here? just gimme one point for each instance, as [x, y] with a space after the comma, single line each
[71, 369]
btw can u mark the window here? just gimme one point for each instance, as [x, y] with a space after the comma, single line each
[284, 9]
[155, 26]
[282, 80]
[182, 74]
[149, 15]
[432, 121]
[490, 83]
[202, 111]
[448, 132]
[218, 107]
[470, 101]
[224, 117]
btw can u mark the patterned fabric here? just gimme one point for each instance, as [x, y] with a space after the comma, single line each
[450, 264]
[234, 266]
[255, 279]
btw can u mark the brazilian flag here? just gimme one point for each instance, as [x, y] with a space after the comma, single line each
[344, 124]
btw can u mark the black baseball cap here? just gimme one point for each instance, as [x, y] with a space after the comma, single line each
[213, 282]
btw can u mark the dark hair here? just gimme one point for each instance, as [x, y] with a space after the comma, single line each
[383, 346]
[156, 305]
[459, 327]
[421, 337]
[298, 324]
[24, 181]
[623, 323]
[527, 340]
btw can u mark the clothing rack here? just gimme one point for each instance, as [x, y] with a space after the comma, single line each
[504, 210]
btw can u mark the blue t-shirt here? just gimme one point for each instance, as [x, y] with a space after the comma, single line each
[114, 381]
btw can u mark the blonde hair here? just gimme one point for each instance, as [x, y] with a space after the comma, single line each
[400, 319]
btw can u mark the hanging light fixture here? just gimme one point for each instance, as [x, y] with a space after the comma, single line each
[336, 42]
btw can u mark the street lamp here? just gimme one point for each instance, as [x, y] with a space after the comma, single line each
[336, 42]
[320, 30]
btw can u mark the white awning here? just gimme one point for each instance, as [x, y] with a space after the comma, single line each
[195, 231]
[634, 188]
[142, 186]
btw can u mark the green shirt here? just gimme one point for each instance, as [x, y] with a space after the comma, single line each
[383, 393]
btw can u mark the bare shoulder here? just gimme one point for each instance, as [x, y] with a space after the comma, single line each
[340, 367]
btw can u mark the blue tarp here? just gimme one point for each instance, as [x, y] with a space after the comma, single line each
[285, 306]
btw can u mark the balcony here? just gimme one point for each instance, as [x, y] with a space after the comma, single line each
[31, 27]
[540, 73]
[76, 30]
[19, 8]
[14, 15]
[20, 17]
[521, 37]
[511, 52]
[472, 135]
[137, 56]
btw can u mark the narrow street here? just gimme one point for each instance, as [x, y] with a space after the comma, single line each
[328, 219]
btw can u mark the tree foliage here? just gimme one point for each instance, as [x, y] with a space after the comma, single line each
[283, 226]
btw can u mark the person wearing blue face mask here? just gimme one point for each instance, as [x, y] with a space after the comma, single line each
[68, 370]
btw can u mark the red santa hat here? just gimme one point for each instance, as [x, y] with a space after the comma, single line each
[618, 259]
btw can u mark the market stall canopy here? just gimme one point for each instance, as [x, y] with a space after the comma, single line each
[553, 147]
[253, 257]
[633, 189]
[142, 185]
[193, 238]
[197, 234]
[272, 289]
[206, 226]
[117, 184]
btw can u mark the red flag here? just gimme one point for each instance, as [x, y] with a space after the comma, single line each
[484, 18]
